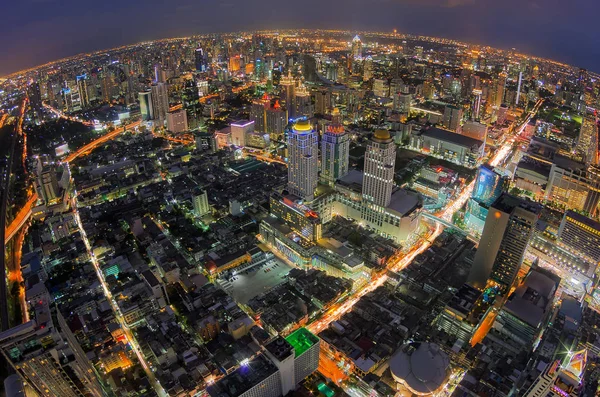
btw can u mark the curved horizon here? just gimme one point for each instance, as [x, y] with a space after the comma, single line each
[286, 30]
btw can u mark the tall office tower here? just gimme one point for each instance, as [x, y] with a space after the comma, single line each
[160, 101]
[288, 86]
[356, 48]
[322, 101]
[49, 184]
[276, 122]
[200, 60]
[378, 178]
[83, 91]
[303, 102]
[177, 121]
[519, 87]
[508, 228]
[335, 149]
[452, 118]
[303, 161]
[558, 381]
[489, 185]
[476, 104]
[499, 89]
[45, 353]
[258, 113]
[402, 102]
[146, 108]
[193, 110]
[35, 96]
[240, 130]
[428, 90]
[201, 206]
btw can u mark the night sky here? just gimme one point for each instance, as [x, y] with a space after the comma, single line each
[36, 31]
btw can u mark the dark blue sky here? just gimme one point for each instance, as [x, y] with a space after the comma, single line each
[36, 31]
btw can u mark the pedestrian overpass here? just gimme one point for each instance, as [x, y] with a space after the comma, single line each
[450, 225]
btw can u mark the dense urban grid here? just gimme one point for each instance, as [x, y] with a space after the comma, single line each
[303, 213]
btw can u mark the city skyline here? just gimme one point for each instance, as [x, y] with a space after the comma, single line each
[57, 30]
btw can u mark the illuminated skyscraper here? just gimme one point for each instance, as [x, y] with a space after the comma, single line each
[240, 130]
[83, 91]
[380, 159]
[146, 109]
[476, 105]
[499, 89]
[258, 113]
[560, 381]
[335, 148]
[356, 47]
[200, 58]
[303, 102]
[276, 122]
[452, 118]
[508, 228]
[303, 161]
[160, 102]
[288, 86]
[489, 185]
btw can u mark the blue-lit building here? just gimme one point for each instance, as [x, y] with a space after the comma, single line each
[201, 61]
[489, 185]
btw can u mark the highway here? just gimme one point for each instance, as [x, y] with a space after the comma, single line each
[399, 262]
[103, 139]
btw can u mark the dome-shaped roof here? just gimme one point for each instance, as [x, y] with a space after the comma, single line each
[382, 135]
[422, 367]
[302, 125]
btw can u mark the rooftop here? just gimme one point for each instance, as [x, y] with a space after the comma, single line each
[302, 340]
[449, 136]
[422, 367]
[243, 379]
[280, 348]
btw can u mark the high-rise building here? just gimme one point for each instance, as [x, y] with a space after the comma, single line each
[258, 113]
[288, 86]
[499, 89]
[335, 148]
[201, 206]
[303, 102]
[49, 184]
[356, 48]
[83, 91]
[276, 122]
[508, 228]
[402, 102]
[240, 130]
[177, 121]
[35, 97]
[306, 352]
[580, 235]
[380, 159]
[322, 101]
[193, 110]
[146, 109]
[45, 353]
[200, 60]
[303, 161]
[476, 104]
[160, 101]
[452, 118]
[489, 185]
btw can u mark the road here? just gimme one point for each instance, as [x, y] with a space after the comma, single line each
[103, 139]
[399, 262]
[116, 310]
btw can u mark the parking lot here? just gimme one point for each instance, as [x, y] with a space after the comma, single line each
[246, 285]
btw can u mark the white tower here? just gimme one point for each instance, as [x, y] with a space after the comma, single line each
[378, 179]
[303, 152]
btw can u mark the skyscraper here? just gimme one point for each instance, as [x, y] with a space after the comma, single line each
[303, 102]
[452, 117]
[303, 152]
[83, 91]
[201, 206]
[489, 185]
[177, 121]
[200, 60]
[499, 89]
[160, 101]
[380, 159]
[276, 121]
[240, 130]
[356, 48]
[258, 113]
[476, 105]
[146, 109]
[508, 228]
[288, 86]
[335, 148]
[45, 353]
